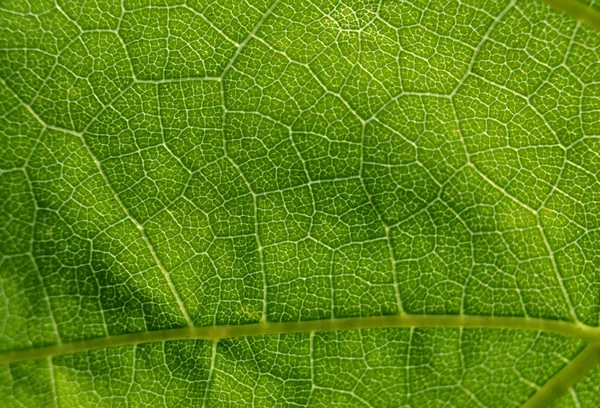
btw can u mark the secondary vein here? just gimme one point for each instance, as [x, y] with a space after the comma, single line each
[562, 381]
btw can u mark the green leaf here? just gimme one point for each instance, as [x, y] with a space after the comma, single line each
[299, 203]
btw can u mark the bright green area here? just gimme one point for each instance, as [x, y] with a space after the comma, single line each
[170, 164]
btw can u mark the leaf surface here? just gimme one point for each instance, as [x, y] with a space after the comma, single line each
[299, 203]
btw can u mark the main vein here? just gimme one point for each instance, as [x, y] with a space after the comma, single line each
[215, 333]
[577, 10]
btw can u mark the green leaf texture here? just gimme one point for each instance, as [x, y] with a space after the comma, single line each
[294, 203]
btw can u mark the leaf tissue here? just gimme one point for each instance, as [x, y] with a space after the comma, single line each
[299, 203]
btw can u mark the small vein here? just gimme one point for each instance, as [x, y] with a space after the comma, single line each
[251, 35]
[211, 371]
[485, 37]
[53, 380]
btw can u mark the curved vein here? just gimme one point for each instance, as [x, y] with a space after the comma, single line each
[215, 333]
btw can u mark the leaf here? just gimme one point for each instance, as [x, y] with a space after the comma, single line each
[299, 203]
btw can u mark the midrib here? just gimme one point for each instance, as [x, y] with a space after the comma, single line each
[212, 333]
[577, 10]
